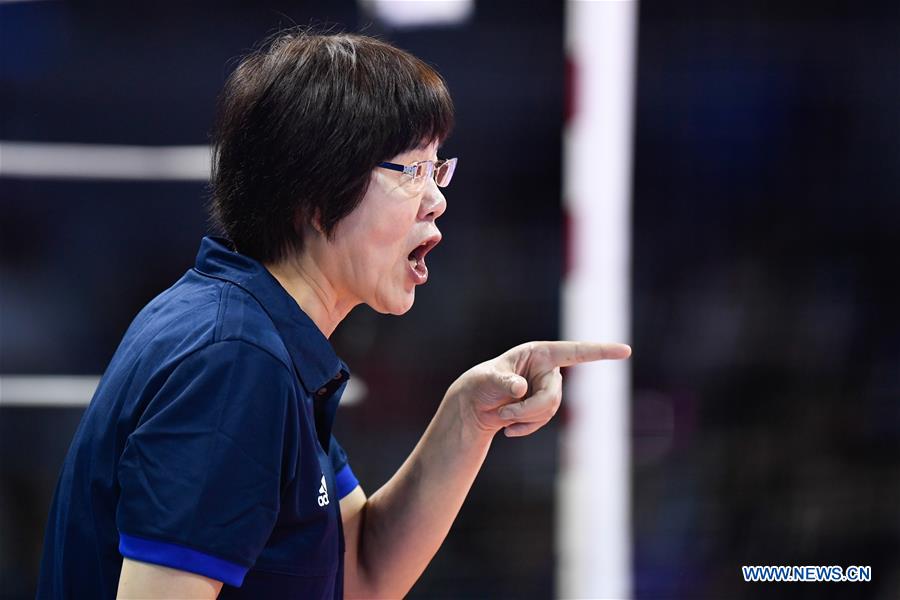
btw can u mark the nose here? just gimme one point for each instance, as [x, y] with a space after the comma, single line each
[433, 202]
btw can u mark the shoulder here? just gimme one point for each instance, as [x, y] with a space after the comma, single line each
[200, 317]
[241, 318]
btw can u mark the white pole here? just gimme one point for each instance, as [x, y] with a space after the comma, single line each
[594, 539]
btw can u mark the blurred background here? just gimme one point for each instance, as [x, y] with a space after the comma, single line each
[764, 394]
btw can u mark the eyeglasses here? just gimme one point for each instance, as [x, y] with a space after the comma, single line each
[441, 170]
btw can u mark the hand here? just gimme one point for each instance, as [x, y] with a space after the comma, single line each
[521, 389]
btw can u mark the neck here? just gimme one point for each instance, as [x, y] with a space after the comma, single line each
[311, 288]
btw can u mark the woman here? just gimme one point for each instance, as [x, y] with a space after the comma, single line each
[206, 455]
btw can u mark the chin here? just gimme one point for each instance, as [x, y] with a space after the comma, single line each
[396, 306]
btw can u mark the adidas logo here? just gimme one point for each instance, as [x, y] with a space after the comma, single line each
[323, 493]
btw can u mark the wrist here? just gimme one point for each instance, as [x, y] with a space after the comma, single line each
[460, 416]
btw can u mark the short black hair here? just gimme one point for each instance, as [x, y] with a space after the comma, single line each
[301, 124]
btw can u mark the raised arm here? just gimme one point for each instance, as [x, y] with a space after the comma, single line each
[392, 536]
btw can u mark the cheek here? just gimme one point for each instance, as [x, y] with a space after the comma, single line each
[379, 230]
[390, 227]
[372, 248]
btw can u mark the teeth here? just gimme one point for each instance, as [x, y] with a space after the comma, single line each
[415, 257]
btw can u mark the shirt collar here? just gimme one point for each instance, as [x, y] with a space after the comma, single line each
[319, 368]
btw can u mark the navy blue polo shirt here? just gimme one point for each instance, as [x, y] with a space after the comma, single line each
[207, 446]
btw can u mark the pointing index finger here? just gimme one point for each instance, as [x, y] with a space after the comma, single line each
[566, 353]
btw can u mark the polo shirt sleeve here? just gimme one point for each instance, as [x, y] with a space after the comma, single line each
[344, 478]
[201, 474]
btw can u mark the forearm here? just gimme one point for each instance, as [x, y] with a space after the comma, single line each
[405, 522]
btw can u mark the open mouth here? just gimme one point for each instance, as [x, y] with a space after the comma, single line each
[416, 258]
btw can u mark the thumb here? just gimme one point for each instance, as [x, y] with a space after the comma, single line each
[512, 384]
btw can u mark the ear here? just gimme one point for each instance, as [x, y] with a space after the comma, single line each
[301, 223]
[316, 222]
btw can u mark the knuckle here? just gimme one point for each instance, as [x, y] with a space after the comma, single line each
[556, 406]
[523, 348]
[512, 411]
[547, 411]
